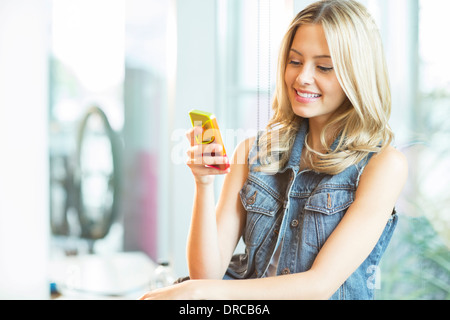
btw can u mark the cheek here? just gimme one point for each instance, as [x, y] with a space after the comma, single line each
[289, 77]
[334, 91]
[340, 95]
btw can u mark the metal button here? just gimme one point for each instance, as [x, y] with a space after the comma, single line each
[294, 223]
[285, 271]
[252, 199]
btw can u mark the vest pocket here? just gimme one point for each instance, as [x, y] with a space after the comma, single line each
[330, 201]
[261, 205]
[323, 211]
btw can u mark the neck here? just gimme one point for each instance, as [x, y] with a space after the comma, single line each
[315, 130]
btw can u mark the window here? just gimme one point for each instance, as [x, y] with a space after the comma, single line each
[250, 33]
[417, 264]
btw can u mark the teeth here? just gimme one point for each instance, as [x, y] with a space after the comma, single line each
[308, 95]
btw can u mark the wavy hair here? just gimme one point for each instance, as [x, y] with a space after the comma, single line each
[359, 62]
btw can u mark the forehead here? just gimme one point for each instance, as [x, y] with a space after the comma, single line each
[310, 40]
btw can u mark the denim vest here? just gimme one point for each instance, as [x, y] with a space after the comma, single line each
[298, 211]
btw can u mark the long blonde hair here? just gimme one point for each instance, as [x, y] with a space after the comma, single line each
[359, 62]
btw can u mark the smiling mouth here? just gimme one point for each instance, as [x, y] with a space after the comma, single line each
[308, 95]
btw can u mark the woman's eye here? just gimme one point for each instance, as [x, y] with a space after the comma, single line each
[294, 62]
[324, 69]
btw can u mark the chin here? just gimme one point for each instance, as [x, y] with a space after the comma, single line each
[303, 112]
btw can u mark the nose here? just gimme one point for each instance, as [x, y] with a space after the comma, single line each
[306, 75]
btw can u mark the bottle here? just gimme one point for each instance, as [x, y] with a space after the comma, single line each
[163, 276]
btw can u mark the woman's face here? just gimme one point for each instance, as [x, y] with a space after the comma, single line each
[314, 90]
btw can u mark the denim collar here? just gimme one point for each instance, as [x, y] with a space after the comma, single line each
[297, 148]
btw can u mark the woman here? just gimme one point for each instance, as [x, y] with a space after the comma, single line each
[314, 201]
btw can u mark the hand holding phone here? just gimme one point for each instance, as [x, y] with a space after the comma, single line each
[210, 134]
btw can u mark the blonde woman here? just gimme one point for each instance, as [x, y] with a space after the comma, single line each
[315, 206]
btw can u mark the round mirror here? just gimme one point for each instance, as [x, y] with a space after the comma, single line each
[96, 175]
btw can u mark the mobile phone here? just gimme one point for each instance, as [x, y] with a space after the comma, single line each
[210, 132]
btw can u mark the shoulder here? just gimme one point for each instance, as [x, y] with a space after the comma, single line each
[386, 172]
[389, 160]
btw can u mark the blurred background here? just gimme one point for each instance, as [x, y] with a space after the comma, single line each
[94, 97]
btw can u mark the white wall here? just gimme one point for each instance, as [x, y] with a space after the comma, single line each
[24, 226]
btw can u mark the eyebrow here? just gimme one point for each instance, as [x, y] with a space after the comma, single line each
[316, 57]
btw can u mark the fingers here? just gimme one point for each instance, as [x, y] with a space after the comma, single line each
[206, 154]
[194, 132]
[198, 155]
[210, 150]
[208, 161]
[204, 165]
[197, 135]
[205, 159]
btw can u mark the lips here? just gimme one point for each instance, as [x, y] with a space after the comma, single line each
[307, 95]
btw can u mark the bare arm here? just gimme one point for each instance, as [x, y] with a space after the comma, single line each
[215, 231]
[378, 191]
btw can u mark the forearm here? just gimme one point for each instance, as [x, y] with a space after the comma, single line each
[301, 286]
[203, 254]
